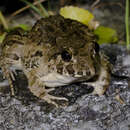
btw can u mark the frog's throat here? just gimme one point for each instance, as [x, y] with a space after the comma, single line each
[55, 80]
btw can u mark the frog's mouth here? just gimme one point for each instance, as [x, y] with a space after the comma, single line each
[55, 79]
[81, 78]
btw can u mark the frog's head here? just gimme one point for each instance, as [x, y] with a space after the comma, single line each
[69, 50]
[78, 64]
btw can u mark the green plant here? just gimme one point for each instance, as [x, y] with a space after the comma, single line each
[41, 10]
[127, 25]
[3, 21]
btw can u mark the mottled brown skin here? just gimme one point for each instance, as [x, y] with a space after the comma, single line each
[56, 52]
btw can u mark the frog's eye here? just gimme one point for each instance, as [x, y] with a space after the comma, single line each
[96, 47]
[66, 56]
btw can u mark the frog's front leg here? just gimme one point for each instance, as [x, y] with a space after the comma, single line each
[5, 66]
[8, 74]
[37, 87]
[102, 82]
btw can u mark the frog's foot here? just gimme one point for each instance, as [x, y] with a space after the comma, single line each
[49, 98]
[39, 90]
[102, 82]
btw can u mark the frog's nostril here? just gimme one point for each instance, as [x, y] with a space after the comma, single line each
[88, 73]
[70, 69]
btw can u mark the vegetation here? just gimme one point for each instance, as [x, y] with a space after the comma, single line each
[105, 34]
[40, 9]
[127, 25]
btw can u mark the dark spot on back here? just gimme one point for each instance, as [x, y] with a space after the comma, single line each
[38, 53]
[70, 69]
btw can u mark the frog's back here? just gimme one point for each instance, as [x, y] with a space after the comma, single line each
[13, 43]
[60, 32]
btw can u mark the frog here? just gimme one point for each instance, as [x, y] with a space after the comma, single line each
[56, 52]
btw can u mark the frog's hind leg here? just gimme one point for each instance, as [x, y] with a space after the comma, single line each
[37, 87]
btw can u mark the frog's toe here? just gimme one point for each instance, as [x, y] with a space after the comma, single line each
[49, 98]
[49, 90]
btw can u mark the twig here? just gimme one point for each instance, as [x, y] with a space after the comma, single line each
[43, 10]
[26, 7]
[95, 3]
[62, 2]
[106, 4]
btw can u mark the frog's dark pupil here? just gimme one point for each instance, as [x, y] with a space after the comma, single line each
[66, 56]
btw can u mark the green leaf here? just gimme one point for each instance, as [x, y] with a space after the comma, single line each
[2, 37]
[25, 27]
[76, 13]
[106, 35]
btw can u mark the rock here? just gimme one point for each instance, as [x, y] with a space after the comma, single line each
[85, 111]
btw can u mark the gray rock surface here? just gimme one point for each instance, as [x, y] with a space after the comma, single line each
[84, 111]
